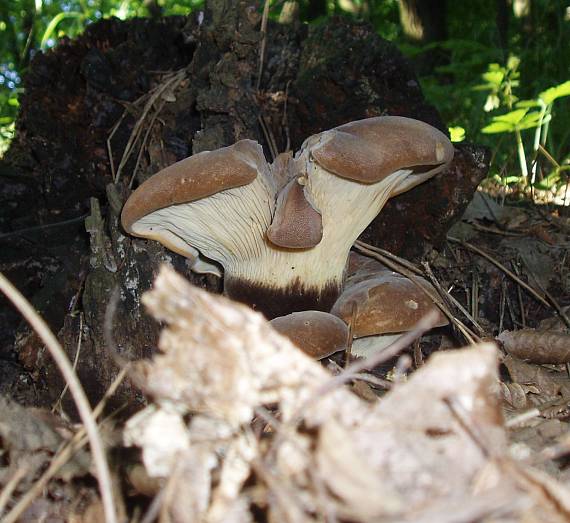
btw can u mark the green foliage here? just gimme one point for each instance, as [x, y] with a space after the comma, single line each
[501, 74]
[485, 88]
[456, 134]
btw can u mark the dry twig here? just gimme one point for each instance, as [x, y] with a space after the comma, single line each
[264, 19]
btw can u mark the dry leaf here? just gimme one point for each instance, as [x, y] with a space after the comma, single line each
[328, 453]
[537, 346]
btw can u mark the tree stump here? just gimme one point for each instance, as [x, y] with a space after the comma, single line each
[164, 89]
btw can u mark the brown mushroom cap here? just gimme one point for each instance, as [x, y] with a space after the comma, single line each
[196, 177]
[369, 150]
[386, 303]
[318, 334]
[361, 268]
[296, 224]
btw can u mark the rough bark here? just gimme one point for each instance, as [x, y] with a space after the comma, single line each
[59, 168]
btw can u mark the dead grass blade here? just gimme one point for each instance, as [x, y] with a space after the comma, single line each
[150, 110]
[264, 19]
[57, 404]
[76, 390]
[11, 485]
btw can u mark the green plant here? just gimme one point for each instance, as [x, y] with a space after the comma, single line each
[536, 113]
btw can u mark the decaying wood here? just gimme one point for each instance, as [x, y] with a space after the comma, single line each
[106, 77]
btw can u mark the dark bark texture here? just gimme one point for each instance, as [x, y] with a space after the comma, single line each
[58, 170]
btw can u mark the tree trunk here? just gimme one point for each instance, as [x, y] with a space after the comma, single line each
[425, 22]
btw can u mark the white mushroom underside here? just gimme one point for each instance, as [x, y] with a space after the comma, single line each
[370, 345]
[229, 227]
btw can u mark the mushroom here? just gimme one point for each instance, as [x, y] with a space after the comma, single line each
[381, 308]
[282, 232]
[318, 334]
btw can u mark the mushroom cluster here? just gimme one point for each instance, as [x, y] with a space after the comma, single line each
[282, 232]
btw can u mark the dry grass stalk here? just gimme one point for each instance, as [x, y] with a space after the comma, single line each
[500, 266]
[76, 390]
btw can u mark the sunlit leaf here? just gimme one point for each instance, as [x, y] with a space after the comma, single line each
[529, 121]
[512, 121]
[498, 127]
[513, 62]
[558, 91]
[494, 77]
[528, 104]
[513, 117]
[457, 134]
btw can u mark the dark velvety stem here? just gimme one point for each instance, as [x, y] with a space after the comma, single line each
[274, 302]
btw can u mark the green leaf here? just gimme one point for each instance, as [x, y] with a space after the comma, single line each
[529, 121]
[558, 91]
[549, 182]
[52, 26]
[513, 62]
[494, 77]
[457, 134]
[527, 104]
[509, 180]
[498, 127]
[513, 117]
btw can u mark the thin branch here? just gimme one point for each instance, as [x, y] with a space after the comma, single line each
[36, 228]
[264, 20]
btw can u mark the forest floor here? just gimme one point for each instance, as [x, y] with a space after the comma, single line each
[278, 453]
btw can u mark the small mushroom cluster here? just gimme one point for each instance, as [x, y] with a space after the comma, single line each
[282, 232]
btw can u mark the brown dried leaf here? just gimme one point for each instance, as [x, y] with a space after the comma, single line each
[221, 357]
[537, 346]
[327, 454]
[514, 394]
[550, 383]
[413, 437]
[30, 437]
[346, 472]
